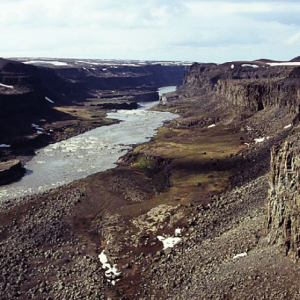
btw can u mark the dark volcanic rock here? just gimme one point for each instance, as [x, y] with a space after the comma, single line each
[243, 87]
[283, 206]
[124, 105]
[24, 91]
[124, 77]
[256, 94]
[206, 76]
[44, 81]
[10, 171]
[146, 96]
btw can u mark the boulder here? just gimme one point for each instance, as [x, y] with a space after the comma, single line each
[10, 171]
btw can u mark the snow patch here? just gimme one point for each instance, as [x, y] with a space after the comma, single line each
[232, 66]
[169, 242]
[287, 63]
[89, 62]
[4, 146]
[261, 140]
[240, 255]
[49, 100]
[103, 259]
[6, 86]
[249, 65]
[211, 126]
[111, 271]
[287, 126]
[37, 127]
[178, 231]
[37, 62]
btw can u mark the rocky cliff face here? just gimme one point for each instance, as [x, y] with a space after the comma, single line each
[283, 205]
[124, 77]
[257, 94]
[257, 89]
[206, 76]
[42, 80]
[243, 87]
[249, 86]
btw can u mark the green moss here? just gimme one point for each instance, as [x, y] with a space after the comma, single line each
[145, 163]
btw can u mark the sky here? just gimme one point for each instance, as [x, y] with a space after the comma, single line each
[182, 30]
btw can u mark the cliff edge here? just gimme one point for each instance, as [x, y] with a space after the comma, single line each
[283, 205]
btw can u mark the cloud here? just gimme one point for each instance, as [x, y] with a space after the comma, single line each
[150, 29]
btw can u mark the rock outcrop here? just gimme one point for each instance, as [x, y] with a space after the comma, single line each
[283, 206]
[124, 105]
[257, 94]
[244, 85]
[206, 76]
[42, 80]
[10, 171]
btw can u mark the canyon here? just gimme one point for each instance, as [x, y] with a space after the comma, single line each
[205, 209]
[44, 102]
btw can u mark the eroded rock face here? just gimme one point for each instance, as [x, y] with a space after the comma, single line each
[247, 86]
[283, 205]
[206, 76]
[256, 94]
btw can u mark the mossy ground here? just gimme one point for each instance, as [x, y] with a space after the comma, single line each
[199, 158]
[83, 117]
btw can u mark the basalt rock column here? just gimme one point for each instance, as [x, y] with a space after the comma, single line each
[283, 205]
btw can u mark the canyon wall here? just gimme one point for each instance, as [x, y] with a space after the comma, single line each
[124, 77]
[257, 94]
[28, 93]
[206, 76]
[261, 89]
[283, 205]
[244, 86]
[41, 80]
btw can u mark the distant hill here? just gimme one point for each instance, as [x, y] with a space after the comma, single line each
[296, 59]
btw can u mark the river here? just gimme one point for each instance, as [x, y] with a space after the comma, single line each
[88, 153]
